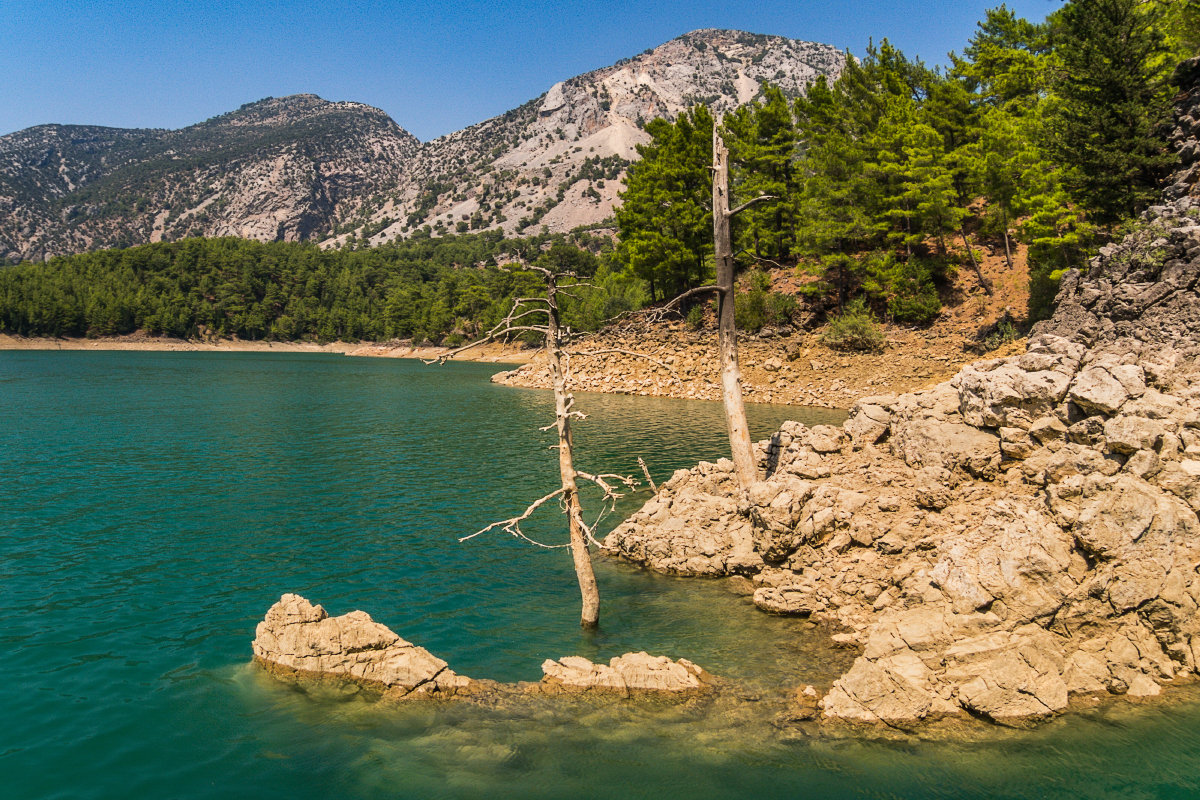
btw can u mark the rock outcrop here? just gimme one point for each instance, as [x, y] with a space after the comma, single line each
[559, 160]
[1023, 532]
[296, 636]
[299, 639]
[628, 674]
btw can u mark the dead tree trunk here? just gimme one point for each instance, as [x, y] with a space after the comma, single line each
[563, 400]
[731, 374]
[1007, 246]
[525, 317]
[984, 282]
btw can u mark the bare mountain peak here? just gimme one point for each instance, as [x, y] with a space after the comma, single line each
[558, 161]
[301, 167]
[282, 111]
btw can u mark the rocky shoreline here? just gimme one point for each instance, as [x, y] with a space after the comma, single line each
[780, 366]
[1017, 538]
[299, 641]
[1025, 533]
[498, 353]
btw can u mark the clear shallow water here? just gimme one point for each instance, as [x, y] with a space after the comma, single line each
[154, 505]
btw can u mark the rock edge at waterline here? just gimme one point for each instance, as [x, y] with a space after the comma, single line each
[1026, 532]
[297, 639]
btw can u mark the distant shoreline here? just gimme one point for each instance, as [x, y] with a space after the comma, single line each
[492, 353]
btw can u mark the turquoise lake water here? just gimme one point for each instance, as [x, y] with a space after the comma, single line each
[155, 504]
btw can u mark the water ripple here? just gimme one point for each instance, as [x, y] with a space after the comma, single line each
[156, 504]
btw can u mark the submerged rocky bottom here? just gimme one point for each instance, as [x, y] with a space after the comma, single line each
[722, 746]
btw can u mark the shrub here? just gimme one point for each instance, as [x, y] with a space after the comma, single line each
[1004, 333]
[853, 329]
[750, 312]
[912, 296]
[920, 308]
[780, 308]
[760, 306]
[695, 317]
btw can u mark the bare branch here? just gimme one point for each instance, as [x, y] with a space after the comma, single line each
[492, 336]
[513, 524]
[607, 501]
[760, 199]
[772, 262]
[675, 301]
[646, 472]
[602, 481]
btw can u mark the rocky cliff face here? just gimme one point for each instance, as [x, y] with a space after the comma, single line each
[303, 168]
[1022, 533]
[558, 160]
[277, 169]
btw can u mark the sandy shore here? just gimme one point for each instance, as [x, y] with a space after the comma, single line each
[487, 353]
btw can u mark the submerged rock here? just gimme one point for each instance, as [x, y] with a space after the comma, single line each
[632, 672]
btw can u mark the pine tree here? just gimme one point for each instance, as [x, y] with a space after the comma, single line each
[1111, 99]
[665, 220]
[1006, 60]
[762, 147]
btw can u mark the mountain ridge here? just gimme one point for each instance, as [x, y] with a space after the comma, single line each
[303, 168]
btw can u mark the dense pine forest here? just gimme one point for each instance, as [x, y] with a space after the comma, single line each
[424, 289]
[885, 183]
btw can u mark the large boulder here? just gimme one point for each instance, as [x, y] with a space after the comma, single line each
[692, 526]
[1014, 556]
[1014, 392]
[297, 636]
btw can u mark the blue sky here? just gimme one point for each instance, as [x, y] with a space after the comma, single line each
[434, 67]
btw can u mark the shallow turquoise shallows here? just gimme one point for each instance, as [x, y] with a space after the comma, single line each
[153, 505]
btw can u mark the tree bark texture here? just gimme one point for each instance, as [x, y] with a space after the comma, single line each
[731, 375]
[559, 365]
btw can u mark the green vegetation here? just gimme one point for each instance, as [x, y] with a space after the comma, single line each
[887, 177]
[883, 182]
[423, 289]
[665, 218]
[853, 329]
[759, 306]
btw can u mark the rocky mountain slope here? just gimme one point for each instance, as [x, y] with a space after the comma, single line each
[275, 169]
[300, 167]
[558, 160]
[1024, 533]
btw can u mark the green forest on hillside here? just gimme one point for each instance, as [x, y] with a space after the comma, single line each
[885, 180]
[1050, 134]
[424, 289]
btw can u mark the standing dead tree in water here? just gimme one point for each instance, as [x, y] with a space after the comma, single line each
[741, 448]
[542, 316]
